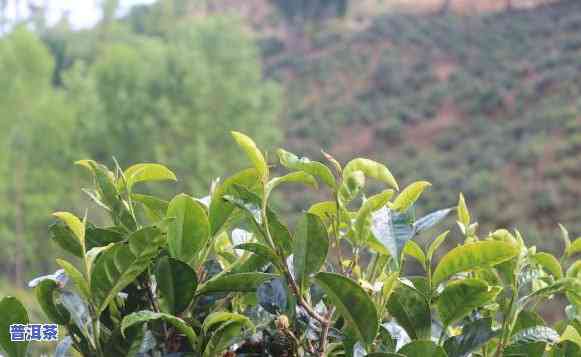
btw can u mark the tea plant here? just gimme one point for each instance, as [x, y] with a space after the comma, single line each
[224, 275]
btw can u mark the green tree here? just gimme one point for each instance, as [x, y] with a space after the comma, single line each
[36, 127]
[186, 88]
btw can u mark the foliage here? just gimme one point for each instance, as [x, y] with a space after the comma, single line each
[227, 277]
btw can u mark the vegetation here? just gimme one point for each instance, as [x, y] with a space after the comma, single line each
[224, 275]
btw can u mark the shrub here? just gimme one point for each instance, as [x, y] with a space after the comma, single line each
[223, 275]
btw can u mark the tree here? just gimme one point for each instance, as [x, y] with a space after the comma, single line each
[36, 127]
[186, 88]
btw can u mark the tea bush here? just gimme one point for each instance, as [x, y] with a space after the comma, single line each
[223, 275]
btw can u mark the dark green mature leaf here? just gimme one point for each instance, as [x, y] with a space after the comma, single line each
[223, 337]
[460, 297]
[237, 282]
[527, 319]
[252, 152]
[176, 283]
[315, 168]
[218, 318]
[118, 266]
[280, 233]
[311, 245]
[371, 169]
[64, 237]
[261, 250]
[146, 316]
[530, 349]
[422, 348]
[471, 256]
[409, 196]
[12, 312]
[45, 291]
[220, 210]
[430, 220]
[392, 230]
[411, 310]
[100, 237]
[474, 335]
[352, 303]
[189, 232]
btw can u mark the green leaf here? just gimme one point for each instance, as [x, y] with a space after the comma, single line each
[311, 245]
[45, 291]
[234, 282]
[220, 210]
[146, 316]
[351, 186]
[155, 207]
[527, 319]
[74, 224]
[252, 152]
[571, 285]
[371, 169]
[189, 232]
[12, 312]
[565, 237]
[384, 354]
[218, 318]
[293, 177]
[530, 349]
[411, 310]
[147, 172]
[415, 251]
[422, 348]
[352, 303]
[471, 256]
[64, 238]
[261, 250]
[535, 334]
[474, 335]
[393, 230]
[571, 334]
[430, 220]
[77, 278]
[463, 213]
[460, 297]
[120, 265]
[436, 244]
[549, 263]
[565, 349]
[409, 196]
[574, 270]
[223, 337]
[315, 168]
[176, 283]
[574, 248]
[362, 219]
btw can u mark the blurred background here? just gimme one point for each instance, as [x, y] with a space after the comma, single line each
[475, 96]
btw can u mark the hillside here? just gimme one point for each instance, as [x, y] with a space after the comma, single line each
[485, 104]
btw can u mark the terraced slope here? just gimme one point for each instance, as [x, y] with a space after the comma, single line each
[487, 104]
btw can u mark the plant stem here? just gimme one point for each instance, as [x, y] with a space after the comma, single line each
[325, 332]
